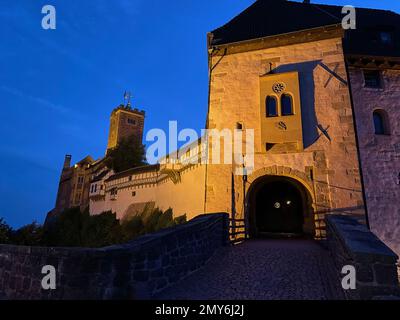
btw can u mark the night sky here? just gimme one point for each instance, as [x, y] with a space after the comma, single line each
[58, 87]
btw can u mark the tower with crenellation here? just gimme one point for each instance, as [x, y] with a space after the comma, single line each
[125, 122]
[74, 184]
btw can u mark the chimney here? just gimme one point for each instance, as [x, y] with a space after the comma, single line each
[67, 161]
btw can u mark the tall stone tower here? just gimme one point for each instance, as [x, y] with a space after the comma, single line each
[125, 122]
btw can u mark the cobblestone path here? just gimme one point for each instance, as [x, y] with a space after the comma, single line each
[263, 270]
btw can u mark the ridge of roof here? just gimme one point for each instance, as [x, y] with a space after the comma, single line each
[149, 167]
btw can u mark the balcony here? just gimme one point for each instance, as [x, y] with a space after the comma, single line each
[97, 194]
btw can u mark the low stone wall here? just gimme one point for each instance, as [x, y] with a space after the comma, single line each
[136, 270]
[351, 243]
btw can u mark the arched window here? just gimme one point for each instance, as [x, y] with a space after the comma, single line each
[271, 104]
[380, 122]
[286, 104]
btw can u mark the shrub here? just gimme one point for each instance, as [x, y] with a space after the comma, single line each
[180, 219]
[166, 220]
[132, 228]
[149, 220]
[74, 228]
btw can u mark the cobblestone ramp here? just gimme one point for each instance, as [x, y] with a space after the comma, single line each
[263, 270]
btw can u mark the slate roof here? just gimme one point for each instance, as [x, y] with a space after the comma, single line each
[85, 161]
[274, 17]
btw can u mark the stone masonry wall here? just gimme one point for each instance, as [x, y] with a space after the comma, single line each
[325, 103]
[135, 270]
[351, 243]
[380, 154]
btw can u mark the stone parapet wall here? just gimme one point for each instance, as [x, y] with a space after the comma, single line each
[351, 243]
[136, 270]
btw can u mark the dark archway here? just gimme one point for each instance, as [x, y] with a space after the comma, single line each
[279, 206]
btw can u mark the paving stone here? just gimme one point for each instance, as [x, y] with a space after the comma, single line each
[263, 269]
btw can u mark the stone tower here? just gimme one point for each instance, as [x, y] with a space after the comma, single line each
[125, 122]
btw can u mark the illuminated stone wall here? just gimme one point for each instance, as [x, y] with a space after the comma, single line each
[325, 102]
[184, 196]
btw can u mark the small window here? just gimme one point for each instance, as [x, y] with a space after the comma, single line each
[372, 79]
[271, 106]
[132, 121]
[133, 193]
[381, 124]
[287, 105]
[239, 126]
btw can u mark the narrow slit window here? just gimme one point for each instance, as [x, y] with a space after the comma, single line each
[287, 105]
[131, 121]
[380, 122]
[271, 106]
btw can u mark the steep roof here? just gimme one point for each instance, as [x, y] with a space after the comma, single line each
[274, 17]
[86, 160]
[100, 176]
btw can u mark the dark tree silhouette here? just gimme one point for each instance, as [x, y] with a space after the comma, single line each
[5, 232]
[129, 153]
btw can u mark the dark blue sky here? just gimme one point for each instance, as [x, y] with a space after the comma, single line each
[57, 88]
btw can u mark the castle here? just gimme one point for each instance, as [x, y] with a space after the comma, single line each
[324, 104]
[75, 181]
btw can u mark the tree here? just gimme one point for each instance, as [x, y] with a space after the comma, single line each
[5, 232]
[166, 220]
[128, 154]
[66, 230]
[29, 235]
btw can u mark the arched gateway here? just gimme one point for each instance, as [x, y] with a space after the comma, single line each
[279, 206]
